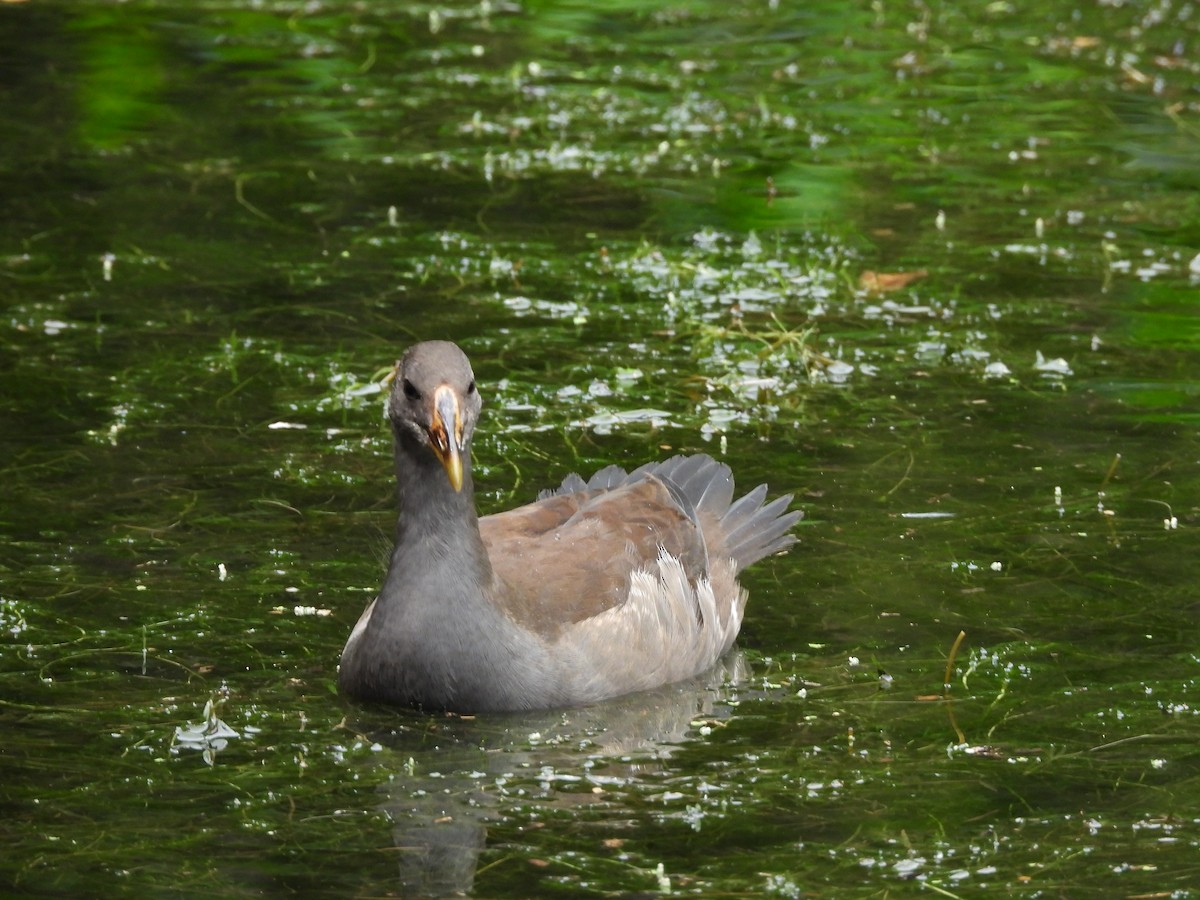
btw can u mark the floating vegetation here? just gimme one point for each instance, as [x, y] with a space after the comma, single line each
[930, 269]
[210, 736]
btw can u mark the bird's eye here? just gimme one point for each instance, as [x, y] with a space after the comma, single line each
[471, 388]
[410, 390]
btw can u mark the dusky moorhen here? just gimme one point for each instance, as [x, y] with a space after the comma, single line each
[620, 584]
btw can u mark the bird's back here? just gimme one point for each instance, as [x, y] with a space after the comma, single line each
[631, 577]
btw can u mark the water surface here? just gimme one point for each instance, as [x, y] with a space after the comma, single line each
[931, 269]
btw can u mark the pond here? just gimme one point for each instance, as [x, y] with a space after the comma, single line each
[931, 268]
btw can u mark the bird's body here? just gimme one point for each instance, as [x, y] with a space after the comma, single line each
[618, 584]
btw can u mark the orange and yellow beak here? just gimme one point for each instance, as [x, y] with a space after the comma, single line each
[446, 433]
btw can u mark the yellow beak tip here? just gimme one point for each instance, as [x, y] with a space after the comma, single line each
[454, 470]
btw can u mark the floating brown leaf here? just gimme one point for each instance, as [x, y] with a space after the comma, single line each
[882, 282]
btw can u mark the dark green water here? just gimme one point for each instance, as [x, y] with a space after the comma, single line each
[651, 225]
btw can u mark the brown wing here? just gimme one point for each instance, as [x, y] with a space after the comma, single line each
[569, 557]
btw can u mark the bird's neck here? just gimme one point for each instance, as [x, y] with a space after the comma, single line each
[437, 535]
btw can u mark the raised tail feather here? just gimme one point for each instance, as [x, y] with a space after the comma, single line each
[749, 529]
[754, 530]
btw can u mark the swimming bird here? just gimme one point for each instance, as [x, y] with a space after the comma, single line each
[621, 583]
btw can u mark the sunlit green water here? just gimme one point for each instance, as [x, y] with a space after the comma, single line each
[649, 224]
